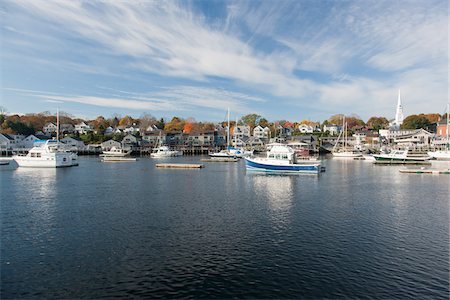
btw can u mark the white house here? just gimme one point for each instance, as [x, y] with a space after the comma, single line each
[304, 128]
[107, 145]
[131, 129]
[73, 144]
[32, 140]
[50, 128]
[332, 129]
[5, 141]
[83, 128]
[261, 133]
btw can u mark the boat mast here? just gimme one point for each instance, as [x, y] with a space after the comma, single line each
[448, 108]
[228, 128]
[57, 125]
[344, 125]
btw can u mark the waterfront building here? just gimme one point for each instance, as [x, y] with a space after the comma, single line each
[242, 131]
[398, 121]
[441, 129]
[260, 132]
[83, 128]
[107, 145]
[6, 141]
[417, 138]
[332, 129]
[73, 143]
[49, 128]
[30, 141]
[130, 142]
[66, 128]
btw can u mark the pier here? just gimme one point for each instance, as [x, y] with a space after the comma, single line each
[426, 171]
[401, 162]
[179, 166]
[221, 159]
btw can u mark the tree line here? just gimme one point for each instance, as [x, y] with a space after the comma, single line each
[31, 123]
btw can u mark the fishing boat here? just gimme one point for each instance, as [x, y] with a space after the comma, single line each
[443, 154]
[344, 151]
[399, 156]
[281, 159]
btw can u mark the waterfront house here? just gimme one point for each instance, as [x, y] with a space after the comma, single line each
[130, 142]
[32, 140]
[441, 129]
[66, 128]
[261, 132]
[6, 141]
[256, 142]
[154, 138]
[241, 131]
[83, 128]
[107, 145]
[49, 128]
[332, 129]
[418, 138]
[73, 143]
[201, 138]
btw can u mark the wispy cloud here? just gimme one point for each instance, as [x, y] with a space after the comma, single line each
[340, 55]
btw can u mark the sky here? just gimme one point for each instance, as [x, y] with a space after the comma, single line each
[294, 60]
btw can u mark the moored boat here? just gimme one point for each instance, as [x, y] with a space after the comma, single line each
[281, 159]
[400, 155]
[47, 155]
[164, 151]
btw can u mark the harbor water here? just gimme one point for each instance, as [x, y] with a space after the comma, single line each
[127, 229]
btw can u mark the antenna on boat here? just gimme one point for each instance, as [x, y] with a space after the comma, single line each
[228, 129]
[57, 125]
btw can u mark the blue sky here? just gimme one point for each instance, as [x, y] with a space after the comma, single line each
[290, 60]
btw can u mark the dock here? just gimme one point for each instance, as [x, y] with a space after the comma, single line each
[401, 162]
[179, 166]
[221, 159]
[117, 159]
[426, 171]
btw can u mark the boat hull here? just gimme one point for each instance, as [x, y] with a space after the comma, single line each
[255, 165]
[39, 163]
[410, 159]
[440, 155]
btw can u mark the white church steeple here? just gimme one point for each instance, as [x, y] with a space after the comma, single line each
[399, 112]
[395, 124]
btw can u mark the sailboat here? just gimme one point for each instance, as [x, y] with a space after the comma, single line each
[344, 152]
[47, 155]
[443, 154]
[227, 153]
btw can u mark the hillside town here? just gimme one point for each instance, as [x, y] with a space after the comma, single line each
[21, 133]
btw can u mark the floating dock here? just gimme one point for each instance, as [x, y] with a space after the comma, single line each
[221, 159]
[117, 159]
[402, 162]
[425, 171]
[179, 166]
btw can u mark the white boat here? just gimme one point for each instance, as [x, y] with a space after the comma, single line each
[281, 159]
[115, 152]
[443, 154]
[164, 151]
[440, 155]
[344, 151]
[118, 159]
[400, 155]
[47, 155]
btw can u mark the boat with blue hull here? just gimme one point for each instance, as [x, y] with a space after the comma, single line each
[282, 159]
